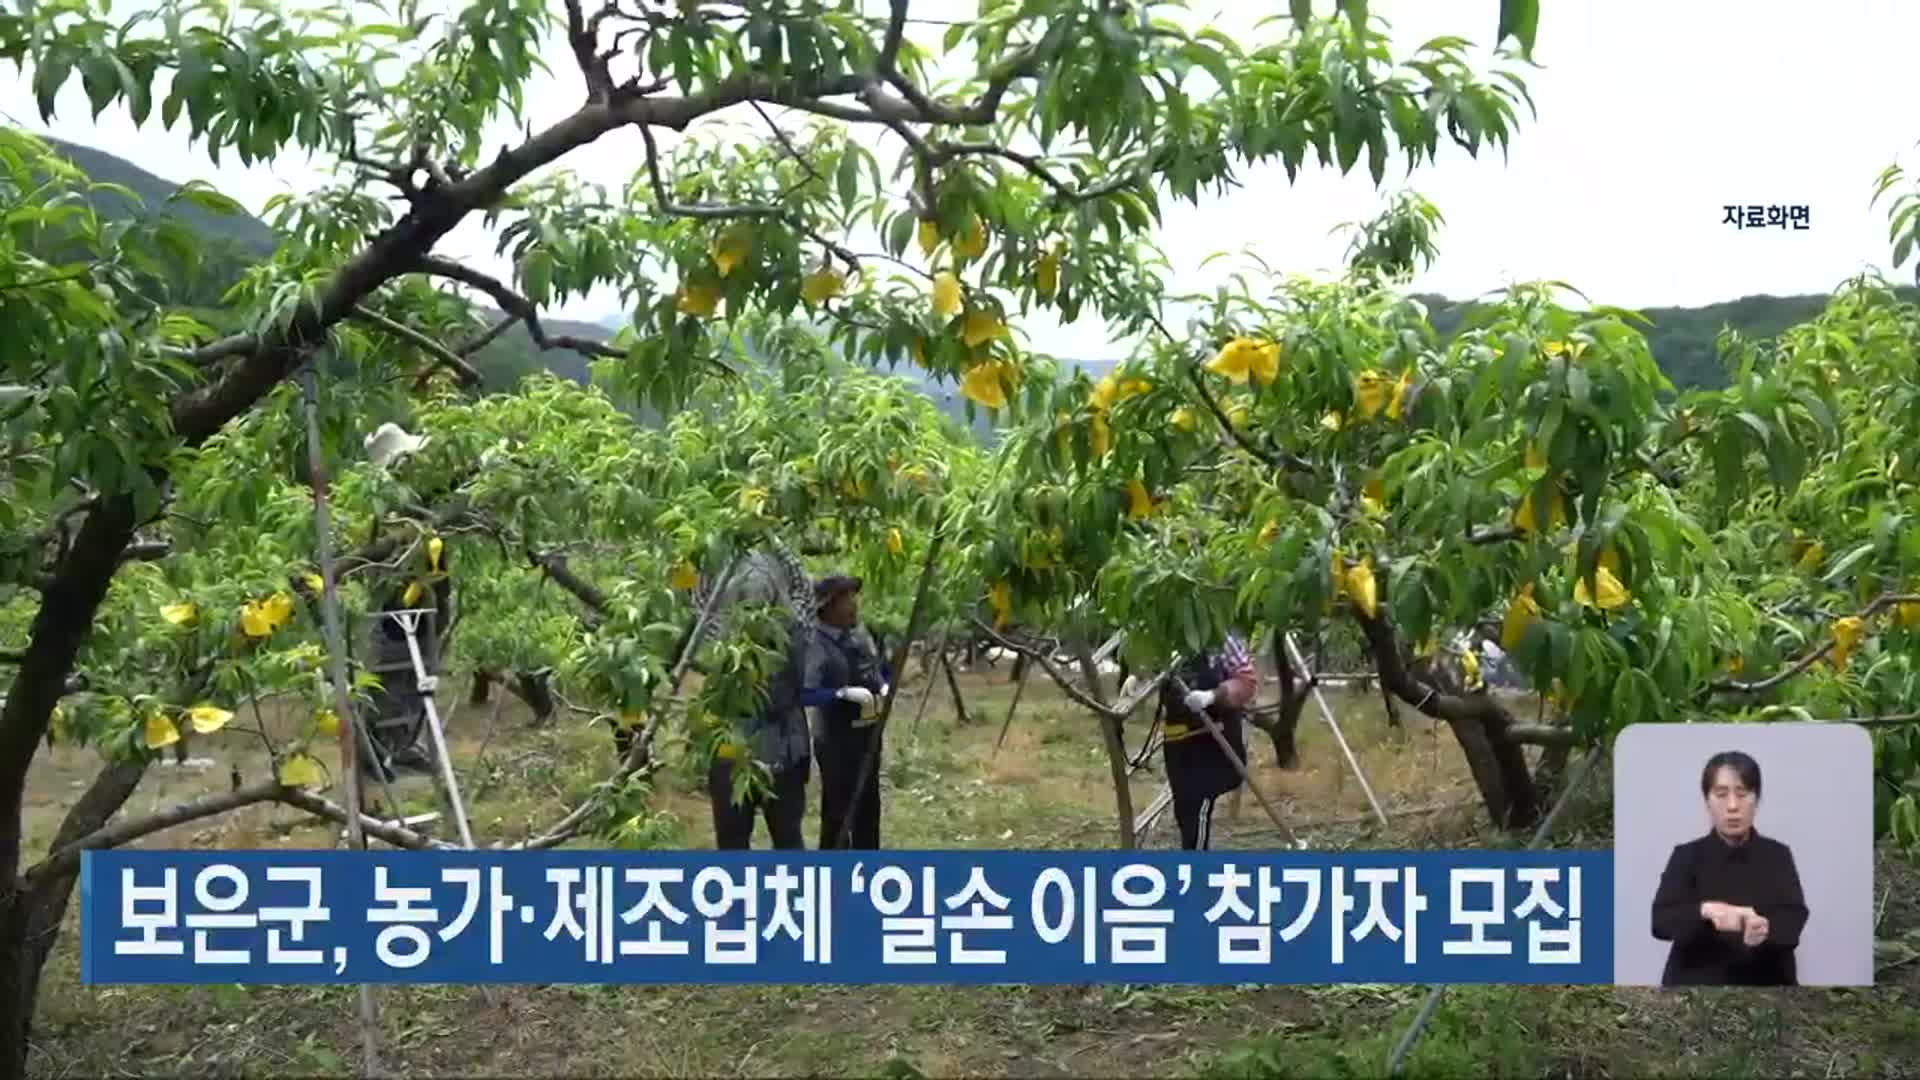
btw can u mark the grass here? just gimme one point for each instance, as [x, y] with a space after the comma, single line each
[947, 787]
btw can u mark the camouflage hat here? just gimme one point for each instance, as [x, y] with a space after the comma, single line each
[825, 589]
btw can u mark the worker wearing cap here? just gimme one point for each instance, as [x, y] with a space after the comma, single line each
[1220, 684]
[846, 679]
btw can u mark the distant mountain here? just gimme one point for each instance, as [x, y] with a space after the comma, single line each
[1681, 338]
[248, 234]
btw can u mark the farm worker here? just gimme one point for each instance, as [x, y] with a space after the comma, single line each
[776, 736]
[398, 711]
[846, 680]
[1220, 684]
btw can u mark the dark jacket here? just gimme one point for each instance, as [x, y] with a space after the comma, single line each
[839, 659]
[1759, 874]
[777, 734]
[1193, 758]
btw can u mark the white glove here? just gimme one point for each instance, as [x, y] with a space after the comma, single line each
[882, 695]
[859, 695]
[1198, 700]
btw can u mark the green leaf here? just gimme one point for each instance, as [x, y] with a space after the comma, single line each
[1356, 11]
[1519, 19]
[201, 194]
[899, 233]
[848, 177]
[48, 76]
[1847, 562]
[1215, 65]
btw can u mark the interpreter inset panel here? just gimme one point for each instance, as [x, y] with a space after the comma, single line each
[1743, 855]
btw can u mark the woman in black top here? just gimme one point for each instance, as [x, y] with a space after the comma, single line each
[1730, 902]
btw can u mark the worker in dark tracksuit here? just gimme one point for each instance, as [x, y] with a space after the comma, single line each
[1222, 684]
[846, 680]
[777, 737]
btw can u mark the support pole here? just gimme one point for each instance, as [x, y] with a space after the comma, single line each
[337, 672]
[1327, 711]
[1025, 674]
[410, 622]
[926, 695]
[953, 687]
[1405, 1046]
[1151, 815]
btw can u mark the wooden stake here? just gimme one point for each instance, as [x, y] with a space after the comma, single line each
[1025, 674]
[926, 693]
[953, 687]
[337, 671]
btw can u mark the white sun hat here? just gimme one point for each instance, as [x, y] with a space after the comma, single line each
[389, 442]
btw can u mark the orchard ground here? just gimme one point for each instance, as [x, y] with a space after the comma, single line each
[946, 788]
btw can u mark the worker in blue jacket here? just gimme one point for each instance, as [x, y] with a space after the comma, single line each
[845, 680]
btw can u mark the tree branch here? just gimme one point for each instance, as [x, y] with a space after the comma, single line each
[396, 835]
[1813, 656]
[582, 39]
[512, 303]
[1273, 460]
[554, 565]
[443, 356]
[1500, 535]
[146, 551]
[1541, 735]
[982, 110]
[489, 337]
[1064, 192]
[1118, 711]
[720, 211]
[67, 857]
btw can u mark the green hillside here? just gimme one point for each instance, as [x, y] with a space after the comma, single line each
[1682, 338]
[232, 241]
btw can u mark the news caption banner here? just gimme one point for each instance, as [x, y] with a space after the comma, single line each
[1038, 917]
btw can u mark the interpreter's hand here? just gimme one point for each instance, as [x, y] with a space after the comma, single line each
[1756, 931]
[1198, 700]
[1726, 918]
[884, 690]
[859, 695]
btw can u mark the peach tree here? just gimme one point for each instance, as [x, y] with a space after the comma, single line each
[1041, 135]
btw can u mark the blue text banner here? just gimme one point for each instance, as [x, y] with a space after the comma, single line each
[1039, 917]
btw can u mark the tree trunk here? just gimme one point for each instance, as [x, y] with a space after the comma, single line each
[1117, 762]
[533, 687]
[1393, 711]
[482, 688]
[30, 921]
[1293, 699]
[60, 627]
[1551, 769]
[1478, 721]
[1122, 792]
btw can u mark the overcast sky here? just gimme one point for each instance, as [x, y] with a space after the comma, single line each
[1653, 114]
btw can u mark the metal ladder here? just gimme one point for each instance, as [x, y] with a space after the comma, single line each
[409, 621]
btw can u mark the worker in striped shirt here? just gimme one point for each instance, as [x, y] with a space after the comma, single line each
[1221, 684]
